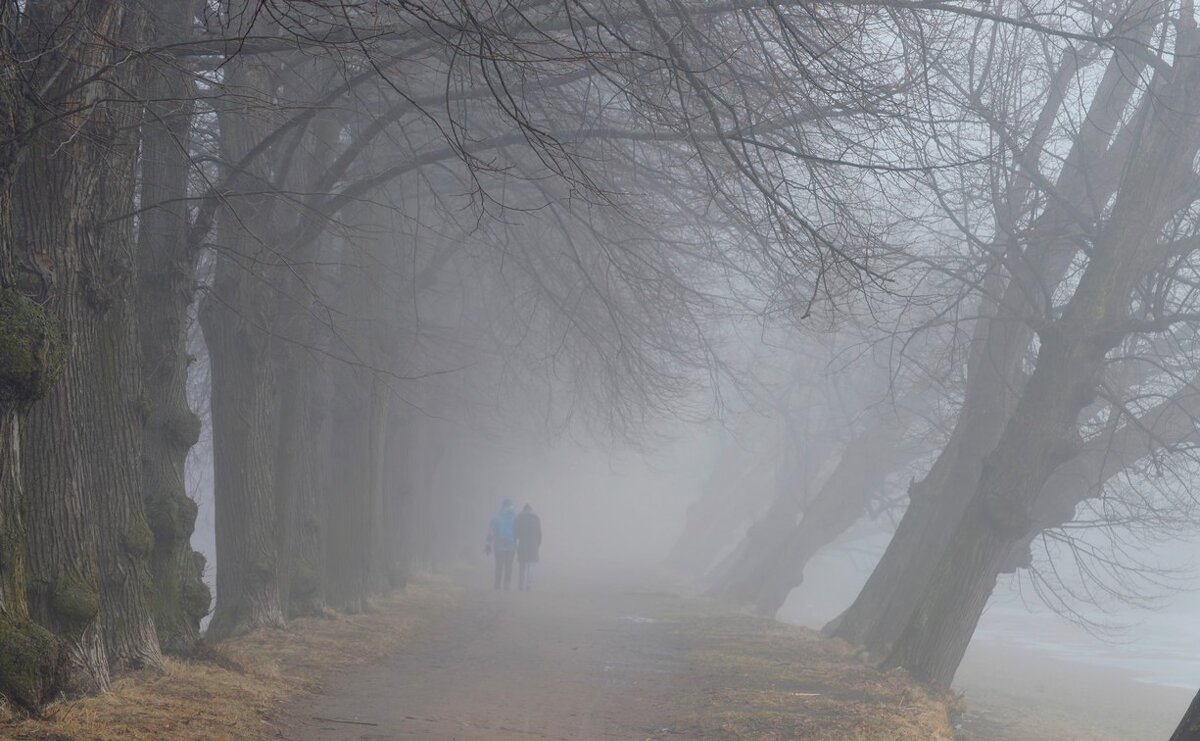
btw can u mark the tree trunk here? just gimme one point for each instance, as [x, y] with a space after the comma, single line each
[1042, 430]
[63, 585]
[235, 318]
[759, 543]
[1169, 424]
[938, 502]
[295, 330]
[360, 420]
[306, 587]
[243, 420]
[88, 542]
[1189, 727]
[713, 520]
[1035, 442]
[843, 499]
[348, 500]
[398, 490]
[881, 609]
[32, 354]
[166, 266]
[792, 488]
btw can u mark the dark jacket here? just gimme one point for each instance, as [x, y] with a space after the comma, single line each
[528, 530]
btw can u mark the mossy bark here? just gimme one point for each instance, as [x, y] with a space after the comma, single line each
[166, 263]
[29, 658]
[32, 353]
[88, 578]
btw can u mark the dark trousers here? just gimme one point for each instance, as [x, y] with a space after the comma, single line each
[525, 575]
[504, 561]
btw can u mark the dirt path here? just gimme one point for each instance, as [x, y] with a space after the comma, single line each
[555, 663]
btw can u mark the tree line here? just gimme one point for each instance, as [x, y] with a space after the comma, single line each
[382, 215]
[371, 211]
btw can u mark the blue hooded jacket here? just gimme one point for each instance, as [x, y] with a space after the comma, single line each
[500, 532]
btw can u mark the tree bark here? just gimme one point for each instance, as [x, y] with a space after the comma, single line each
[1167, 425]
[32, 355]
[166, 265]
[88, 542]
[1189, 726]
[296, 331]
[306, 586]
[235, 318]
[879, 612]
[348, 500]
[243, 420]
[360, 423]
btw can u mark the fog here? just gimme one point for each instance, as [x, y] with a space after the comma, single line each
[599, 369]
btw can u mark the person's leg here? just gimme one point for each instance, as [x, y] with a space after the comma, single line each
[499, 568]
[508, 563]
[529, 575]
[521, 575]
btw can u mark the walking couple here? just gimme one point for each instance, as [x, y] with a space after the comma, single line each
[514, 535]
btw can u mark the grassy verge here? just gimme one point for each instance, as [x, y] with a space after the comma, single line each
[233, 695]
[766, 680]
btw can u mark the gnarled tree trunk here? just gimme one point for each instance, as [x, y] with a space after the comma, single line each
[88, 542]
[939, 501]
[1042, 430]
[32, 354]
[166, 265]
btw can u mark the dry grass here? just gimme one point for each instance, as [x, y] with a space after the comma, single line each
[235, 695]
[767, 680]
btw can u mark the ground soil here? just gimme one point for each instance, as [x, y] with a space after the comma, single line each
[553, 663]
[613, 657]
[234, 690]
[619, 655]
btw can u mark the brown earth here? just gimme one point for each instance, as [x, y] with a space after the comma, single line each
[613, 659]
[235, 691]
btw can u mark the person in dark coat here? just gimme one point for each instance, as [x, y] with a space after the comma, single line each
[528, 531]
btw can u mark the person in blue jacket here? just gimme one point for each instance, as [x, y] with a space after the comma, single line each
[502, 542]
